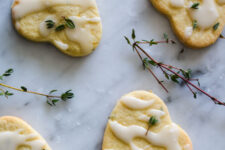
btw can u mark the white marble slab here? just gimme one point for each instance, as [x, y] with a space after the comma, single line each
[101, 78]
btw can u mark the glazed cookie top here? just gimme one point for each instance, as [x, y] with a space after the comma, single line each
[128, 128]
[15, 134]
[73, 26]
[197, 23]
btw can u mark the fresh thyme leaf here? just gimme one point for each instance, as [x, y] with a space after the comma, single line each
[54, 101]
[198, 83]
[52, 91]
[24, 88]
[145, 63]
[7, 94]
[133, 35]
[67, 95]
[60, 27]
[186, 74]
[165, 36]
[152, 121]
[6, 73]
[152, 42]
[195, 25]
[152, 63]
[49, 103]
[69, 23]
[50, 24]
[215, 27]
[174, 78]
[195, 95]
[127, 39]
[195, 5]
[166, 75]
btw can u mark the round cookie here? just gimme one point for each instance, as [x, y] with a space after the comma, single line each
[127, 128]
[15, 134]
[73, 26]
[198, 23]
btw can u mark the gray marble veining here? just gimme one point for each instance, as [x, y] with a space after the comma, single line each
[111, 71]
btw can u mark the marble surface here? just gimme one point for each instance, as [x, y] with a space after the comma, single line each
[100, 79]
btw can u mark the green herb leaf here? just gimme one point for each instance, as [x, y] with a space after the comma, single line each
[195, 5]
[6, 73]
[7, 94]
[215, 27]
[127, 39]
[166, 75]
[152, 121]
[195, 95]
[152, 42]
[174, 78]
[186, 74]
[54, 101]
[152, 63]
[69, 23]
[165, 36]
[133, 35]
[24, 88]
[52, 91]
[195, 25]
[50, 24]
[145, 63]
[67, 95]
[60, 27]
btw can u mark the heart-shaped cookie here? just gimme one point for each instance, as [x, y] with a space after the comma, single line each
[141, 121]
[15, 134]
[197, 23]
[73, 26]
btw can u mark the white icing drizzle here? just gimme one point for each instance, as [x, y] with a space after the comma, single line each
[188, 32]
[82, 33]
[167, 137]
[135, 103]
[29, 6]
[12, 140]
[206, 15]
[221, 1]
[62, 45]
[44, 31]
[177, 3]
[157, 113]
[144, 118]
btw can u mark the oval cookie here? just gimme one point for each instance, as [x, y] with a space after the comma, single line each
[15, 134]
[197, 23]
[141, 121]
[73, 26]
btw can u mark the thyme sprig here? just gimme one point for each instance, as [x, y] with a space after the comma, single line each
[51, 98]
[152, 121]
[172, 73]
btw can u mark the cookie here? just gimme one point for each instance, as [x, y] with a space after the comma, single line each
[128, 126]
[73, 26]
[197, 23]
[15, 134]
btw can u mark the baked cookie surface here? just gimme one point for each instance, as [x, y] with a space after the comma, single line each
[15, 134]
[127, 127]
[197, 23]
[73, 26]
